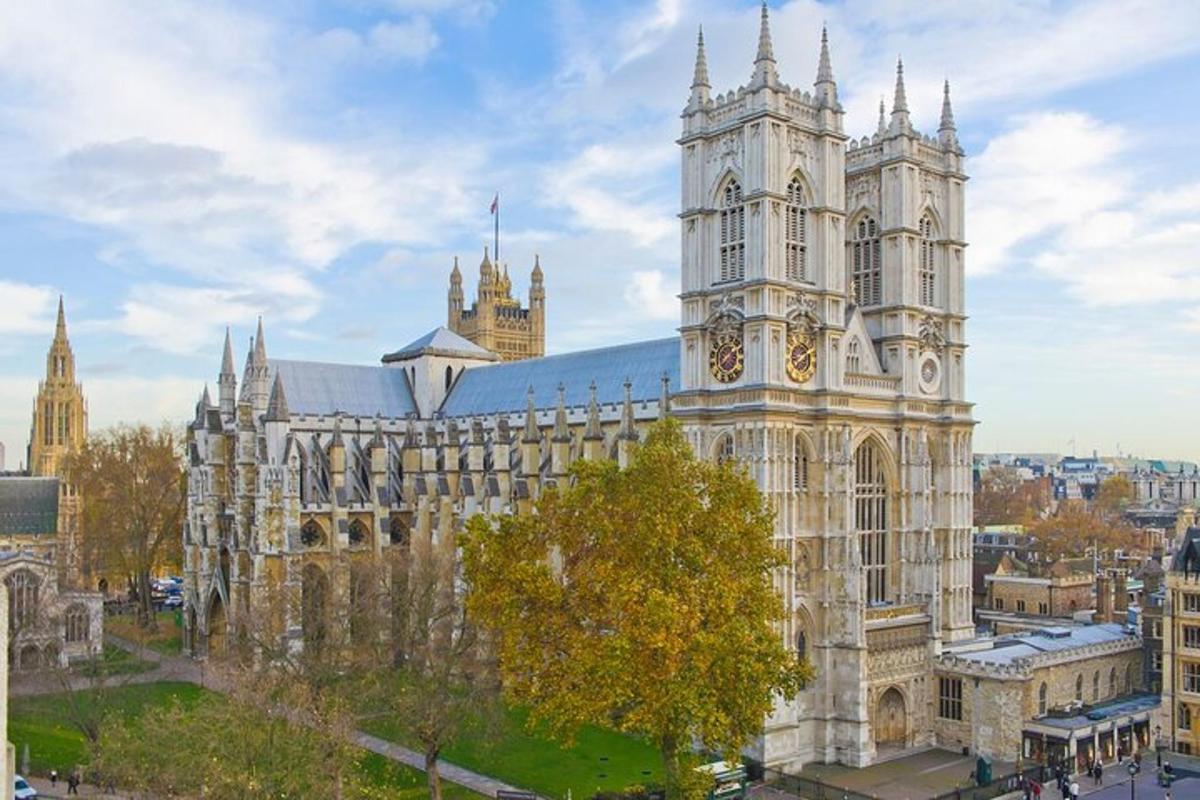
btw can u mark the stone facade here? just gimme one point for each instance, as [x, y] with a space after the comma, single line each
[1180, 715]
[49, 626]
[496, 321]
[822, 344]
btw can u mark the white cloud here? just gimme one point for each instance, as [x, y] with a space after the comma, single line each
[650, 294]
[27, 309]
[412, 39]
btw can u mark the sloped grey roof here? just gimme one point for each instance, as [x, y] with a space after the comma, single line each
[355, 390]
[441, 341]
[1187, 557]
[1007, 649]
[504, 387]
[28, 506]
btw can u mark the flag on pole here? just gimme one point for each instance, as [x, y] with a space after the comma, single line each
[495, 203]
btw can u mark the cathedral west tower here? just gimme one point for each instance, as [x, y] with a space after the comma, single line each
[822, 346]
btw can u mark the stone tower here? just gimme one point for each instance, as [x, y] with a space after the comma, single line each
[822, 346]
[496, 321]
[59, 412]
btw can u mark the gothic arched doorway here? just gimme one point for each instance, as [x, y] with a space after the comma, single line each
[890, 720]
[218, 626]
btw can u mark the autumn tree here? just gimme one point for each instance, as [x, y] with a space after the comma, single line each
[1005, 498]
[131, 482]
[641, 599]
[1075, 528]
[1113, 496]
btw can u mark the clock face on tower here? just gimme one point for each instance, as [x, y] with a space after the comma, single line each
[727, 358]
[801, 357]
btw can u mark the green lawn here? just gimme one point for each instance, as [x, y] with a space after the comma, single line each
[600, 759]
[113, 661]
[42, 723]
[166, 639]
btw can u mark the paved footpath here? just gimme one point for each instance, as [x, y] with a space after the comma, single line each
[177, 668]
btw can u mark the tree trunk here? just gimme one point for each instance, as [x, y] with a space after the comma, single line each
[432, 774]
[669, 751]
[146, 619]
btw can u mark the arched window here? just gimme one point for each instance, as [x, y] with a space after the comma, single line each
[1130, 679]
[1112, 682]
[864, 262]
[870, 518]
[927, 273]
[800, 467]
[311, 534]
[1042, 701]
[853, 357]
[449, 376]
[358, 532]
[1079, 687]
[724, 449]
[1095, 686]
[802, 645]
[733, 233]
[77, 624]
[23, 588]
[794, 231]
[398, 532]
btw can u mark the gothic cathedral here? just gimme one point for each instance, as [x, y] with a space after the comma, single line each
[822, 343]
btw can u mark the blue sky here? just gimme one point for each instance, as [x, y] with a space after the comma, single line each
[176, 167]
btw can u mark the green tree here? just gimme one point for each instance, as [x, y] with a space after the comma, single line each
[642, 599]
[131, 482]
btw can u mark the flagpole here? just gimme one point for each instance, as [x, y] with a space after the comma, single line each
[496, 241]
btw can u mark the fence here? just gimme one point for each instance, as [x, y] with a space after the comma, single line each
[1012, 782]
[811, 789]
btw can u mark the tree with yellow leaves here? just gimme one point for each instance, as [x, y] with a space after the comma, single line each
[640, 599]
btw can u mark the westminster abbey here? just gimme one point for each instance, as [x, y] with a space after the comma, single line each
[821, 341]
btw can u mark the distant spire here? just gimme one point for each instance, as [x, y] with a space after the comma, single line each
[628, 429]
[900, 120]
[530, 434]
[561, 432]
[947, 133]
[60, 325]
[485, 266]
[826, 87]
[206, 398]
[593, 430]
[700, 85]
[765, 73]
[881, 128]
[227, 358]
[536, 275]
[260, 346]
[455, 274]
[277, 406]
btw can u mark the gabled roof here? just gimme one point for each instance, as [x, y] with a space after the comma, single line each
[359, 391]
[1187, 557]
[28, 506]
[441, 341]
[504, 387]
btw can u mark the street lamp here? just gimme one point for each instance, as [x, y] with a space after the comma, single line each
[1133, 771]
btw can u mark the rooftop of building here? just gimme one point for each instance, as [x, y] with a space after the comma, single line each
[1007, 649]
[28, 506]
[441, 341]
[1113, 709]
[1187, 557]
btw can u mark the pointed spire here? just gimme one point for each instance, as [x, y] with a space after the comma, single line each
[206, 398]
[530, 434]
[593, 430]
[537, 275]
[826, 87]
[900, 120]
[765, 73]
[60, 325]
[561, 432]
[227, 358]
[628, 430]
[664, 397]
[700, 85]
[947, 132]
[260, 346]
[277, 407]
[881, 128]
[456, 274]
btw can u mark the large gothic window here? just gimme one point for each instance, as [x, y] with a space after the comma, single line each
[800, 467]
[864, 262]
[724, 449]
[927, 272]
[733, 233]
[870, 518]
[794, 233]
[23, 588]
[78, 628]
[358, 532]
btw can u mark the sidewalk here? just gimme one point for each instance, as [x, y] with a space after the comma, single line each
[44, 790]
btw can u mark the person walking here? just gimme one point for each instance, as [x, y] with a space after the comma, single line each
[53, 778]
[1099, 772]
[1074, 790]
[73, 782]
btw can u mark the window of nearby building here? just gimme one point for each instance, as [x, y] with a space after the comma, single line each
[998, 603]
[1191, 635]
[1156, 661]
[870, 518]
[1184, 747]
[1112, 682]
[1021, 606]
[1191, 602]
[795, 231]
[1042, 699]
[76, 623]
[1095, 686]
[23, 588]
[1191, 677]
[1184, 717]
[865, 266]
[1079, 688]
[733, 233]
[1156, 629]
[926, 265]
[725, 449]
[950, 698]
[1043, 609]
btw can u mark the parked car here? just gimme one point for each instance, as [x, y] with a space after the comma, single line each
[173, 601]
[22, 790]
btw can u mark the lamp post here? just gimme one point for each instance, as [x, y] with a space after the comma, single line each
[1133, 771]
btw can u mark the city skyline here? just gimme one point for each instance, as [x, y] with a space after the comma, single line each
[271, 161]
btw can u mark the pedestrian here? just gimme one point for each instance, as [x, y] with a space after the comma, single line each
[1099, 772]
[53, 778]
[1074, 790]
[73, 783]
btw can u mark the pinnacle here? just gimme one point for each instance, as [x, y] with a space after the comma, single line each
[277, 407]
[700, 75]
[260, 346]
[824, 67]
[947, 122]
[764, 62]
[900, 100]
[227, 358]
[882, 127]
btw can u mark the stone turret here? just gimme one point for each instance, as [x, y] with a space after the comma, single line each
[227, 382]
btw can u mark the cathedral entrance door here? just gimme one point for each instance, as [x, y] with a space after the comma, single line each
[217, 627]
[890, 721]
